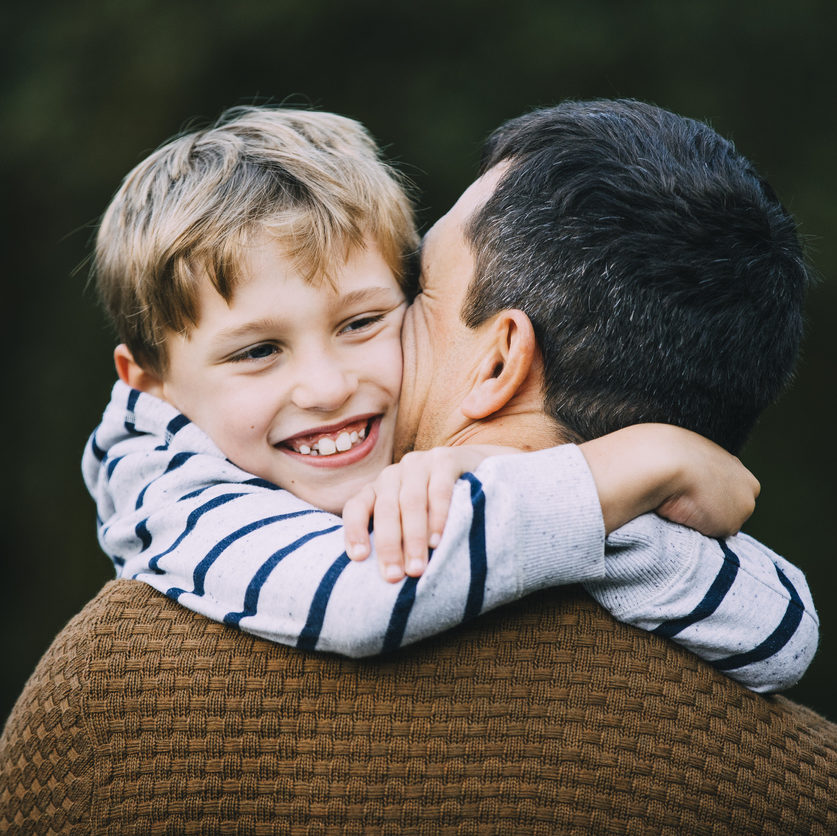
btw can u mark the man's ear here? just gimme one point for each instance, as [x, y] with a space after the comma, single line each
[510, 350]
[133, 374]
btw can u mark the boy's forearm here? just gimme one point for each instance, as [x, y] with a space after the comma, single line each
[197, 528]
[628, 482]
[684, 477]
[179, 516]
[734, 602]
[307, 594]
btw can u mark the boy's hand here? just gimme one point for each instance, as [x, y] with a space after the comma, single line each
[409, 502]
[681, 475]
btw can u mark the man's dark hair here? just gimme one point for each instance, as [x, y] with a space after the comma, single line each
[664, 279]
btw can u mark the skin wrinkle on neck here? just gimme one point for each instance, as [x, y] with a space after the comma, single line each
[526, 430]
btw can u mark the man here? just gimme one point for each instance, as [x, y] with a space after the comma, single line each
[546, 717]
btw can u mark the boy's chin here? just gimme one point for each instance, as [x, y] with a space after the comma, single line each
[331, 498]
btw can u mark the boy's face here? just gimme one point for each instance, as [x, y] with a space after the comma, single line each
[296, 383]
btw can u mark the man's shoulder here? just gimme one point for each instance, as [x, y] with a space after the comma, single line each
[516, 716]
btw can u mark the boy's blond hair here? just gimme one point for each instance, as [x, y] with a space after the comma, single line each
[313, 180]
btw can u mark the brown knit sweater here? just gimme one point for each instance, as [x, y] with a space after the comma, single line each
[544, 717]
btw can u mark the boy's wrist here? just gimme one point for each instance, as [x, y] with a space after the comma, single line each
[636, 469]
[679, 474]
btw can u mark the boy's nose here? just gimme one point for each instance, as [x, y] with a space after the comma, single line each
[323, 384]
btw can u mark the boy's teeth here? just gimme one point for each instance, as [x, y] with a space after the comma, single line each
[326, 446]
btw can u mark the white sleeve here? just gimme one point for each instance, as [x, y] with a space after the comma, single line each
[174, 513]
[177, 515]
[734, 602]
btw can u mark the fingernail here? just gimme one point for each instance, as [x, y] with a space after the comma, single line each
[393, 573]
[415, 566]
[434, 540]
[356, 550]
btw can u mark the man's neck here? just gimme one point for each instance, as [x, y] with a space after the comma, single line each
[526, 430]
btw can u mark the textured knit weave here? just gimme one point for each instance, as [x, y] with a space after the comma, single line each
[543, 717]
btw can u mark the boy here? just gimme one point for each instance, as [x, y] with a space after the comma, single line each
[256, 274]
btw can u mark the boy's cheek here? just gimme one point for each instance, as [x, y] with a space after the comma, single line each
[393, 359]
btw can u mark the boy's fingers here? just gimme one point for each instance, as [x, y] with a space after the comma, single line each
[388, 525]
[356, 515]
[439, 495]
[413, 503]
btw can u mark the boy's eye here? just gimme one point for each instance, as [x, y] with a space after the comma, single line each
[256, 352]
[361, 323]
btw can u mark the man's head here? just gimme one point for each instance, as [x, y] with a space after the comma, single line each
[663, 279]
[314, 182]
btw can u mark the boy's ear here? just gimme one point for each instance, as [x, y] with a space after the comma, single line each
[511, 349]
[133, 374]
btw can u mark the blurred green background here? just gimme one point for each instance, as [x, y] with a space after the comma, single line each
[89, 88]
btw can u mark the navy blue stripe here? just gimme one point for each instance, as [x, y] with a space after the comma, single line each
[711, 601]
[191, 522]
[117, 560]
[178, 460]
[194, 516]
[255, 482]
[400, 613]
[141, 496]
[112, 464]
[175, 426]
[175, 462]
[199, 574]
[143, 534]
[130, 419]
[199, 491]
[777, 639]
[310, 634]
[251, 596]
[260, 483]
[98, 452]
[476, 546]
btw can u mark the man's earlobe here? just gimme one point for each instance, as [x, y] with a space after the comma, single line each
[504, 371]
[133, 374]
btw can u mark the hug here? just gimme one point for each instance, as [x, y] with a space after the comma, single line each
[595, 327]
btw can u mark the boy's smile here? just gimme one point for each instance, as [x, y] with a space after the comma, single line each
[330, 444]
[296, 382]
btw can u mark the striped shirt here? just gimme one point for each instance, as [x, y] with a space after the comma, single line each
[173, 512]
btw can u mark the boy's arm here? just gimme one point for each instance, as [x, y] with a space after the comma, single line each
[681, 475]
[736, 604]
[733, 602]
[176, 514]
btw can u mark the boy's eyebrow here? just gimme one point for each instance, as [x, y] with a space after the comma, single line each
[256, 325]
[380, 295]
[366, 295]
